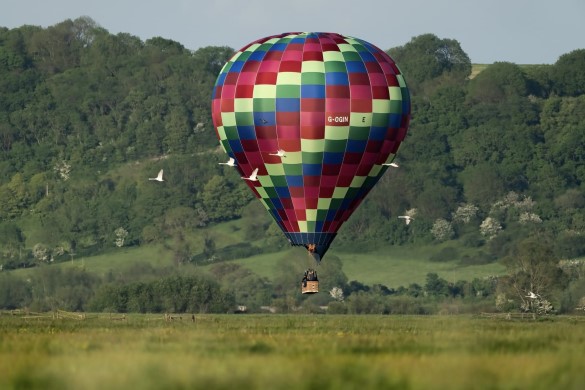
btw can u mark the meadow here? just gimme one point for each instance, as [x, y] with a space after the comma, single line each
[392, 266]
[292, 352]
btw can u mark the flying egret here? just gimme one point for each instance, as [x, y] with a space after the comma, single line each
[407, 218]
[392, 164]
[159, 177]
[231, 163]
[252, 176]
[279, 153]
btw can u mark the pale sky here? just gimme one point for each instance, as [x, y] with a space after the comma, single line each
[518, 31]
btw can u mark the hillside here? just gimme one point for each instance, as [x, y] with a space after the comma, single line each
[491, 168]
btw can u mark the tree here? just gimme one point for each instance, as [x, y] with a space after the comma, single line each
[55, 288]
[222, 200]
[465, 213]
[569, 74]
[180, 219]
[337, 294]
[41, 253]
[249, 289]
[426, 57]
[442, 230]
[208, 246]
[498, 82]
[533, 268]
[14, 292]
[213, 58]
[178, 130]
[121, 235]
[436, 201]
[490, 227]
[436, 286]
[14, 198]
[482, 184]
[12, 241]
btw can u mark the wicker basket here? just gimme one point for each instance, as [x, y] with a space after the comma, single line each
[311, 287]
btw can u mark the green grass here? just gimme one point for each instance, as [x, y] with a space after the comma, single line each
[122, 258]
[477, 69]
[292, 352]
[396, 267]
[391, 266]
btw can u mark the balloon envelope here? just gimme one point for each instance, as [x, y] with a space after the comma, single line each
[317, 114]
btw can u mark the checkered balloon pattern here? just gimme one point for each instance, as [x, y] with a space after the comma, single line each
[317, 114]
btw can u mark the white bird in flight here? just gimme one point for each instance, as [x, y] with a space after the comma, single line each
[279, 153]
[406, 218]
[392, 164]
[253, 176]
[532, 295]
[159, 177]
[231, 163]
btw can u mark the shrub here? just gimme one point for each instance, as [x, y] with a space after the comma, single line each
[444, 255]
[477, 259]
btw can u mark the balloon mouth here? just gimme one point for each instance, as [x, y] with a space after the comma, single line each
[317, 251]
[316, 243]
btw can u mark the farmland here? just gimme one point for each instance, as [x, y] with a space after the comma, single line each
[291, 352]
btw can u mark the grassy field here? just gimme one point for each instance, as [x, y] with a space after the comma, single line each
[391, 266]
[477, 69]
[292, 352]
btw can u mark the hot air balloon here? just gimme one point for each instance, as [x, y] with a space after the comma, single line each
[317, 115]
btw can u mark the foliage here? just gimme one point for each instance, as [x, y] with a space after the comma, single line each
[427, 58]
[87, 116]
[174, 294]
[490, 227]
[442, 230]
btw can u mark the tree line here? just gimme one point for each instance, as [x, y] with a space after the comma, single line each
[229, 287]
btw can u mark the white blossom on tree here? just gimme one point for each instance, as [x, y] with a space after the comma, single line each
[442, 230]
[59, 250]
[40, 253]
[575, 268]
[524, 203]
[465, 213]
[537, 305]
[528, 217]
[121, 235]
[63, 170]
[545, 307]
[490, 228]
[501, 301]
[203, 218]
[337, 294]
[512, 199]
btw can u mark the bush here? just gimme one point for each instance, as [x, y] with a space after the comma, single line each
[444, 255]
[14, 292]
[238, 251]
[569, 245]
[336, 308]
[231, 252]
[406, 305]
[478, 259]
[473, 240]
